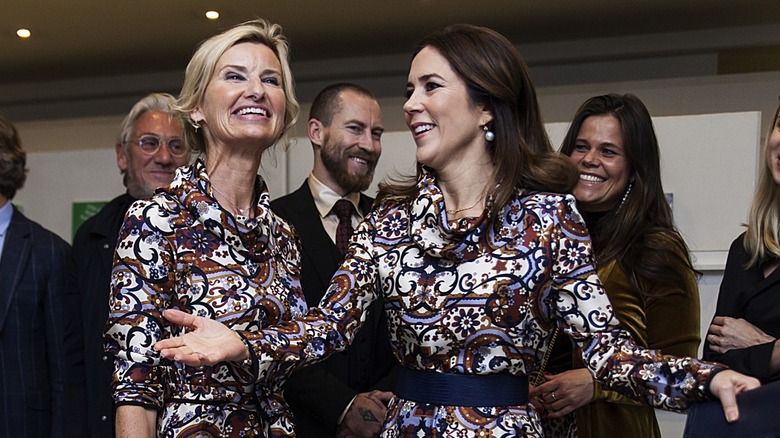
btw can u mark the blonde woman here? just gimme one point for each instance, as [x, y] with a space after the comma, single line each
[209, 244]
[744, 332]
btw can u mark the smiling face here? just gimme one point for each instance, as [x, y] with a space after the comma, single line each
[350, 146]
[773, 151]
[145, 172]
[445, 123]
[600, 156]
[244, 102]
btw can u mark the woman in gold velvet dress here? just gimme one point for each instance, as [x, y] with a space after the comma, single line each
[642, 262]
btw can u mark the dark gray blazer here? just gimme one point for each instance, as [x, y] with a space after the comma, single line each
[33, 286]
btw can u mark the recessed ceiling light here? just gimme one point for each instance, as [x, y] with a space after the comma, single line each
[23, 33]
[212, 15]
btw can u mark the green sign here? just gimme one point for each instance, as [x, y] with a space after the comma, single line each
[83, 211]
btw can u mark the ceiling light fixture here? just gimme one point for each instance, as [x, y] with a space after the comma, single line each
[23, 33]
[212, 15]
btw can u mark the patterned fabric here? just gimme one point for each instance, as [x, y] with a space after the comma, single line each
[647, 319]
[182, 250]
[343, 210]
[473, 298]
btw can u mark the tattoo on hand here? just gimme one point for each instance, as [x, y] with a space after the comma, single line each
[367, 416]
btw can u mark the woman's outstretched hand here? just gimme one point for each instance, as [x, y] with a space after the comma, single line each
[209, 342]
[726, 385]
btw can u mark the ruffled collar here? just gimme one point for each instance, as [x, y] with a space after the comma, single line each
[191, 189]
[458, 241]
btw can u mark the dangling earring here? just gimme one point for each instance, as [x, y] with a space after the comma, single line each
[625, 196]
[195, 124]
[489, 135]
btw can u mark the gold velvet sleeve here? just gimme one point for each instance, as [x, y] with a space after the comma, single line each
[668, 319]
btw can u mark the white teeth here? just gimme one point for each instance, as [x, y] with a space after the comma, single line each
[422, 128]
[252, 110]
[591, 178]
[360, 160]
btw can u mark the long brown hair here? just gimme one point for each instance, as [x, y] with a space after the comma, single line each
[496, 76]
[639, 233]
[13, 160]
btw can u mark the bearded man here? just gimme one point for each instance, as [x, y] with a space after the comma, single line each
[339, 396]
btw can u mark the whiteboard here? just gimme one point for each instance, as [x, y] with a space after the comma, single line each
[708, 162]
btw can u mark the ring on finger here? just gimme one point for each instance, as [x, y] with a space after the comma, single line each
[552, 394]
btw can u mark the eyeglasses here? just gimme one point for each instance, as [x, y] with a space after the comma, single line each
[150, 144]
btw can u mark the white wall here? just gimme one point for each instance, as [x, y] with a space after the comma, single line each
[73, 159]
[91, 175]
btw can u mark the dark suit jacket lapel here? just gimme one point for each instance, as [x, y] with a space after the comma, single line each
[16, 251]
[365, 204]
[759, 285]
[318, 243]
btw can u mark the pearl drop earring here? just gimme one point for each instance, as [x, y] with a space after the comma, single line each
[489, 135]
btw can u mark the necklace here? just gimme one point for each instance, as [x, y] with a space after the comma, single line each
[466, 208]
[240, 210]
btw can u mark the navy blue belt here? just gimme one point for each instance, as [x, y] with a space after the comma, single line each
[449, 389]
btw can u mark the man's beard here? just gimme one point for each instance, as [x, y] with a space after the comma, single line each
[335, 162]
[138, 189]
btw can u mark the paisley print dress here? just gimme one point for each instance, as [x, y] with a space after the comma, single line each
[478, 297]
[181, 250]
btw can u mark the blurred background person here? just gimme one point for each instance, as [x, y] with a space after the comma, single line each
[210, 244]
[148, 151]
[345, 130]
[34, 317]
[744, 332]
[642, 261]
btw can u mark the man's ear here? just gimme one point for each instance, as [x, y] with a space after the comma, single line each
[121, 159]
[315, 130]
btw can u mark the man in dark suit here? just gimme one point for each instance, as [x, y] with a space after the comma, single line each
[341, 396]
[33, 317]
[148, 151]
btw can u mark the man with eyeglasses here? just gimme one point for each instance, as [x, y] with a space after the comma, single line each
[149, 149]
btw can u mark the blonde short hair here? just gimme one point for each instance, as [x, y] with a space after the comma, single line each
[200, 70]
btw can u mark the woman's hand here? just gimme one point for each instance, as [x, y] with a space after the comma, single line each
[209, 343]
[728, 333]
[562, 393]
[726, 385]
